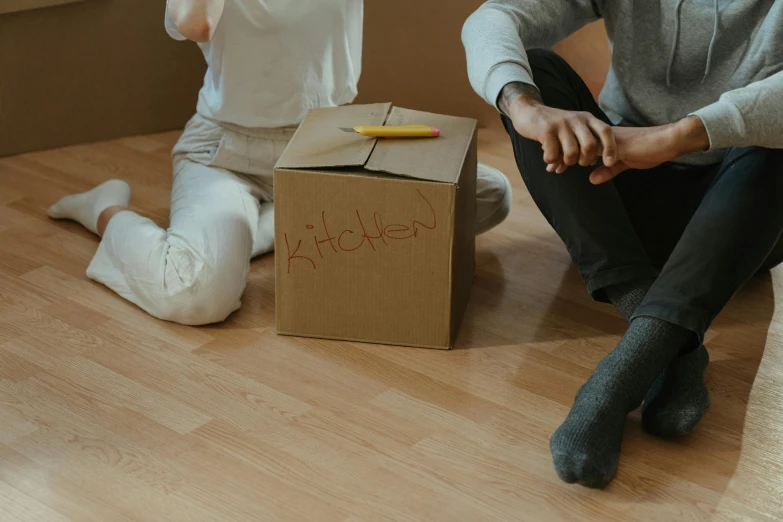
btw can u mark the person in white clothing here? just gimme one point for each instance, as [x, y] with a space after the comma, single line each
[269, 62]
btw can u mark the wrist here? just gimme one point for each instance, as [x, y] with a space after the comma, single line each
[525, 101]
[690, 135]
[518, 96]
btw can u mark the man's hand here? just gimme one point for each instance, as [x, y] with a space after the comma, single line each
[648, 147]
[567, 137]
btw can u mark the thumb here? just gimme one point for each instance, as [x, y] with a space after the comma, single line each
[604, 174]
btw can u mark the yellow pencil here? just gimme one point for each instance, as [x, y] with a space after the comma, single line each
[391, 131]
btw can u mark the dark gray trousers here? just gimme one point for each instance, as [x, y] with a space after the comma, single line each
[701, 232]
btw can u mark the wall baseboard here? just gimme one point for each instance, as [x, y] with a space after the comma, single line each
[13, 6]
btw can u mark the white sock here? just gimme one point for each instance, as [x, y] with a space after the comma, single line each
[85, 208]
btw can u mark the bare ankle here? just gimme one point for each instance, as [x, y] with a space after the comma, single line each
[106, 215]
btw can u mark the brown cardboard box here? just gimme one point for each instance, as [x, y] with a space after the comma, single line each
[374, 238]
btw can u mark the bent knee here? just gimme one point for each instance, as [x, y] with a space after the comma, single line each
[197, 306]
[544, 59]
[493, 198]
[491, 220]
[208, 295]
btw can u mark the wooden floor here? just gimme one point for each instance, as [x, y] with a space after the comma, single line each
[109, 415]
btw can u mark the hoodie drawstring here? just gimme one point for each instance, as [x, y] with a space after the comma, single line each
[712, 42]
[677, 11]
[676, 39]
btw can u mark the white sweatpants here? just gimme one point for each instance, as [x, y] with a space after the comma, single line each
[222, 215]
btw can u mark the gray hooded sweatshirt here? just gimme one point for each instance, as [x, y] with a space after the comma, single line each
[721, 60]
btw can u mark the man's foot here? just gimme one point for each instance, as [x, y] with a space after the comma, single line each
[679, 398]
[493, 198]
[85, 208]
[586, 448]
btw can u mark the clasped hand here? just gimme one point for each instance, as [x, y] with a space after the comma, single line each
[569, 138]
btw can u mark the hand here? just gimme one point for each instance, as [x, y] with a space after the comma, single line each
[567, 137]
[196, 20]
[647, 147]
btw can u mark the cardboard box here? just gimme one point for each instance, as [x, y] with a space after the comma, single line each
[374, 239]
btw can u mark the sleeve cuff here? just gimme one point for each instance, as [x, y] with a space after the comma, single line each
[500, 76]
[724, 124]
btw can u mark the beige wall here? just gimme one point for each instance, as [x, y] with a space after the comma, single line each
[413, 56]
[100, 69]
[11, 6]
[89, 71]
[588, 53]
[428, 72]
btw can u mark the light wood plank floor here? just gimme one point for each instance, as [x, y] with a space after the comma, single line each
[109, 415]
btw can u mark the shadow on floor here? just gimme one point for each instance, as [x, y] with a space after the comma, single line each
[520, 297]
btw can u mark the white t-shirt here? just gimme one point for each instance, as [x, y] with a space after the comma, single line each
[270, 61]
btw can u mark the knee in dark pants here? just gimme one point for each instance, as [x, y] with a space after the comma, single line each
[560, 86]
[543, 59]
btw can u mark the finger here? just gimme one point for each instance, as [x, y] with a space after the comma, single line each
[552, 167]
[551, 146]
[588, 146]
[561, 168]
[570, 147]
[600, 175]
[608, 141]
[604, 174]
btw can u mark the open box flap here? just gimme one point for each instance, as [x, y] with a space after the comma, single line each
[319, 142]
[433, 159]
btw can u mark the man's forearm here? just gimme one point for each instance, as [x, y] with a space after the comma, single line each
[514, 90]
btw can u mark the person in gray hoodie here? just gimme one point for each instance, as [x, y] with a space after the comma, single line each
[691, 115]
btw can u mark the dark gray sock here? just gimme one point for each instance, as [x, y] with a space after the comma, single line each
[586, 448]
[679, 398]
[627, 297]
